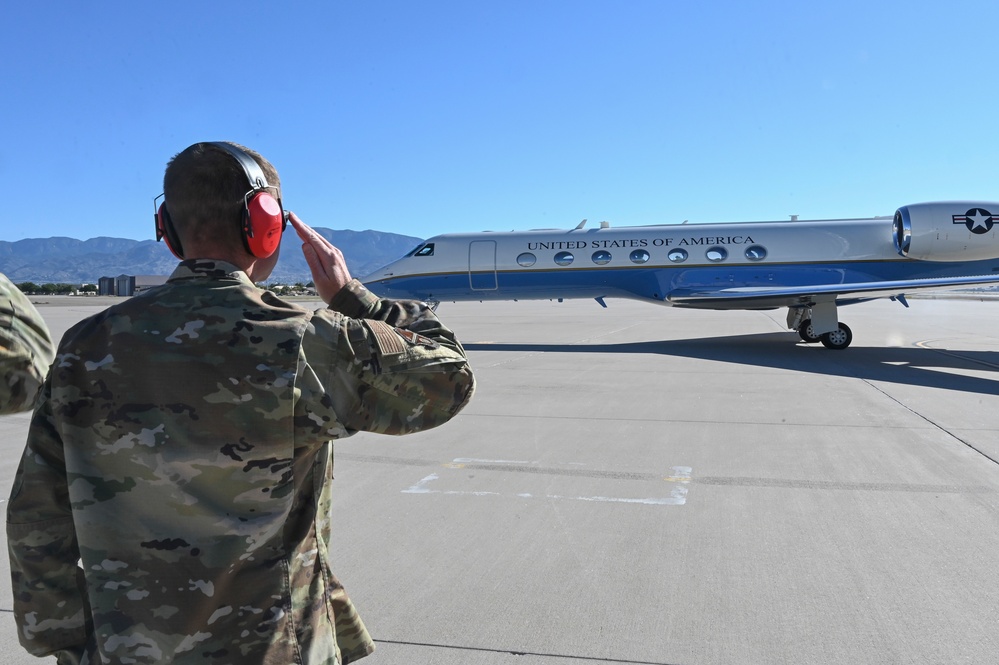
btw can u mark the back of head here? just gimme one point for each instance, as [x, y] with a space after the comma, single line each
[204, 189]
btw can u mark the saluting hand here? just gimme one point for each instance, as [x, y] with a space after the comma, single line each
[329, 269]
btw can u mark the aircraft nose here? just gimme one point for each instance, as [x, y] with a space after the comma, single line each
[378, 286]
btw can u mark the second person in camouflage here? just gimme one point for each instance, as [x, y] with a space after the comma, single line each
[25, 349]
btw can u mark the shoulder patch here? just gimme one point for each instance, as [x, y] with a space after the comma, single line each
[415, 339]
[386, 338]
[394, 341]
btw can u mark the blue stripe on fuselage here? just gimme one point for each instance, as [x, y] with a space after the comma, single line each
[655, 283]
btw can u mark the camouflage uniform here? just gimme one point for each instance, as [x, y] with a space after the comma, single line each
[25, 350]
[182, 454]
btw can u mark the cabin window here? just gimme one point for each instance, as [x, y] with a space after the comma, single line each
[716, 254]
[564, 258]
[601, 257]
[639, 256]
[756, 253]
[677, 255]
[526, 260]
[426, 250]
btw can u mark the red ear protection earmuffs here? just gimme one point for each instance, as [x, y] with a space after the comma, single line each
[263, 219]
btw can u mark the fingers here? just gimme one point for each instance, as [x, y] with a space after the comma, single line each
[316, 265]
[301, 228]
[325, 260]
[308, 235]
[304, 231]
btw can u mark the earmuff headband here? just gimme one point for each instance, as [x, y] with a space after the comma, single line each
[254, 173]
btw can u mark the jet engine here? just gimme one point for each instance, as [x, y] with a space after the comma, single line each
[948, 231]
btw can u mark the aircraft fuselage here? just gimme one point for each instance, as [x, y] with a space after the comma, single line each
[747, 265]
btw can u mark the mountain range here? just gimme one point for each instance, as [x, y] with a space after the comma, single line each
[72, 261]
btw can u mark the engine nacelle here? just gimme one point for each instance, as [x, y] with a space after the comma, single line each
[947, 231]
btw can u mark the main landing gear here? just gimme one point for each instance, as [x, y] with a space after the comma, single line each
[836, 339]
[818, 322]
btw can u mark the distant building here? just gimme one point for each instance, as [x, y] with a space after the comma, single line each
[105, 286]
[128, 285]
[124, 285]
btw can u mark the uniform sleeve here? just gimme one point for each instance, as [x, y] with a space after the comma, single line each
[389, 366]
[49, 606]
[355, 301]
[25, 350]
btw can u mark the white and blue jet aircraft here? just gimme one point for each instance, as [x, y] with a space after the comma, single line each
[810, 267]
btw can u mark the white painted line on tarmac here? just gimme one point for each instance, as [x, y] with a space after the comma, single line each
[681, 475]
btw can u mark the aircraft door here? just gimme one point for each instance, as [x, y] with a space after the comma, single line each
[482, 265]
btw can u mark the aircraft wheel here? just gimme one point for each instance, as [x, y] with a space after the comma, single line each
[806, 334]
[839, 338]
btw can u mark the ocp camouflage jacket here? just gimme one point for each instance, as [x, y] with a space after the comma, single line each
[173, 501]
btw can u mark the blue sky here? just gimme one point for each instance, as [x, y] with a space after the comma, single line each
[430, 117]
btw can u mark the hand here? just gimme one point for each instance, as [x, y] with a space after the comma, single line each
[329, 270]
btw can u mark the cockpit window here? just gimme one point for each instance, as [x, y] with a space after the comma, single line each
[424, 250]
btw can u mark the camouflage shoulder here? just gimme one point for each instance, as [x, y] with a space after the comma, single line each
[26, 350]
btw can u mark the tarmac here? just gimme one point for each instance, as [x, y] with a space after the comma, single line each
[655, 486]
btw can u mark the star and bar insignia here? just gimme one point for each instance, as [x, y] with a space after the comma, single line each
[978, 220]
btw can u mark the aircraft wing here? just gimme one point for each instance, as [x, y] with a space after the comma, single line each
[762, 297]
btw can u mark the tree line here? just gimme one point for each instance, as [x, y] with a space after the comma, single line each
[32, 289]
[49, 289]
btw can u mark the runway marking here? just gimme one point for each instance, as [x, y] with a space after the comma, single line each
[420, 488]
[680, 475]
[926, 344]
